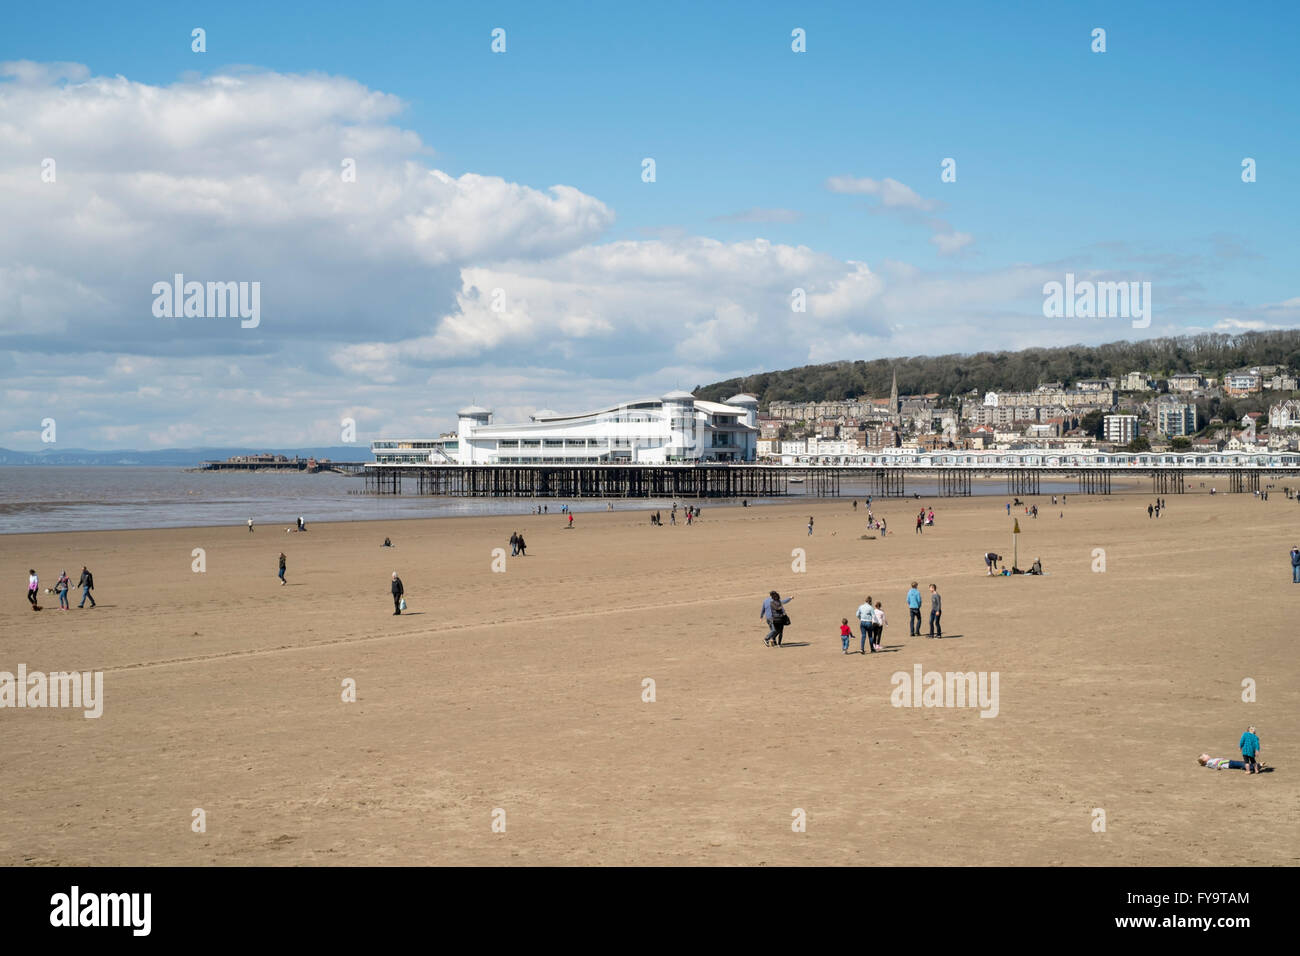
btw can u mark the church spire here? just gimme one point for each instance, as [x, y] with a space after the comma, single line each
[893, 394]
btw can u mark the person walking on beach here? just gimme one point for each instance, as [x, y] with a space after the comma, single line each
[810, 526]
[523, 548]
[866, 624]
[570, 519]
[914, 611]
[1008, 509]
[250, 525]
[879, 630]
[773, 612]
[1295, 565]
[690, 515]
[1150, 508]
[1249, 747]
[87, 584]
[855, 504]
[398, 592]
[33, 589]
[282, 566]
[920, 520]
[61, 589]
[846, 633]
[672, 518]
[883, 532]
[514, 543]
[936, 612]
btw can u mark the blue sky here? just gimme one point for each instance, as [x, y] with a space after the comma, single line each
[1124, 164]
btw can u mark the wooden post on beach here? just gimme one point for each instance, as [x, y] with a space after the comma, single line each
[1015, 543]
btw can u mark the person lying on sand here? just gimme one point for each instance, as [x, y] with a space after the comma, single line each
[1223, 763]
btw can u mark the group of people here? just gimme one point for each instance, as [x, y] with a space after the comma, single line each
[924, 519]
[1250, 752]
[517, 545]
[61, 587]
[1154, 509]
[991, 559]
[691, 511]
[871, 626]
[300, 525]
[871, 617]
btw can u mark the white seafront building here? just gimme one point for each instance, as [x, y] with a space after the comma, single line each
[678, 427]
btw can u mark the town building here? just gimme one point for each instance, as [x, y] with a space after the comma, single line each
[1241, 383]
[1120, 429]
[1186, 382]
[1285, 414]
[1176, 418]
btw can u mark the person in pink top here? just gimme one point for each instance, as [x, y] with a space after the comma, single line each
[879, 628]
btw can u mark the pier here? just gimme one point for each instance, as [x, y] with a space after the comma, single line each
[750, 480]
[309, 465]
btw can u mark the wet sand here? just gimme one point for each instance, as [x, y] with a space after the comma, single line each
[522, 691]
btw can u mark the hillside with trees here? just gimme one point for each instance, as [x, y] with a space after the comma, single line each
[1211, 353]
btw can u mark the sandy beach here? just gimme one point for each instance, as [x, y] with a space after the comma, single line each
[523, 691]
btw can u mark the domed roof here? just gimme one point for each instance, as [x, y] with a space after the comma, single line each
[679, 396]
[744, 398]
[473, 411]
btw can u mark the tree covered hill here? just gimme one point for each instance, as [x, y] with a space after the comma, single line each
[1212, 353]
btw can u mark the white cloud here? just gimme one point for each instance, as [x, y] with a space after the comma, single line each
[892, 193]
[377, 295]
[950, 242]
[758, 214]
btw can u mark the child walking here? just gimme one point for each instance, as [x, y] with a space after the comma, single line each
[1249, 746]
[845, 633]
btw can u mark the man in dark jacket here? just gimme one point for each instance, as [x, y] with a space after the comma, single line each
[936, 612]
[87, 584]
[398, 591]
